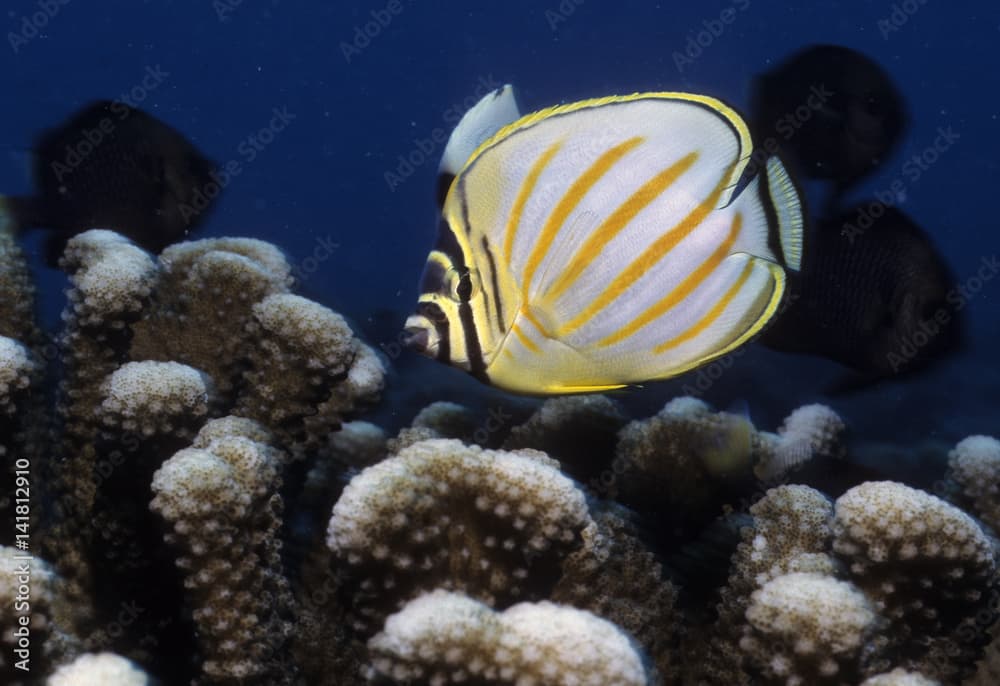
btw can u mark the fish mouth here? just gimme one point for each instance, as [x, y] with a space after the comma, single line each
[417, 338]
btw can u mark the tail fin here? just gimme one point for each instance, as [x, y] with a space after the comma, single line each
[787, 203]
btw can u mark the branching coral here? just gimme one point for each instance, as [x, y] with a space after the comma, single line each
[206, 437]
[807, 629]
[809, 432]
[579, 431]
[39, 619]
[926, 565]
[221, 503]
[446, 638]
[441, 514]
[100, 669]
[615, 576]
[974, 467]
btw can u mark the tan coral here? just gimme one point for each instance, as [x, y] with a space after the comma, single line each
[31, 589]
[809, 432]
[204, 303]
[673, 460]
[302, 355]
[616, 577]
[443, 514]
[17, 293]
[16, 371]
[99, 669]
[974, 465]
[154, 397]
[445, 638]
[580, 431]
[222, 505]
[900, 677]
[925, 564]
[791, 532]
[806, 629]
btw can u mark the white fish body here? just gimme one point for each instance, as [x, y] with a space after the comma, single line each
[604, 243]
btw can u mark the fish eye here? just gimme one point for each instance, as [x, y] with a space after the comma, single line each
[463, 284]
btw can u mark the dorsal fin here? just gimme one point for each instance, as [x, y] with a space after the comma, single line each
[497, 109]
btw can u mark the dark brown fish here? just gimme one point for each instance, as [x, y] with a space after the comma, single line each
[115, 167]
[882, 302]
[832, 112]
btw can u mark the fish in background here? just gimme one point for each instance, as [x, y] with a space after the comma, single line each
[602, 243]
[113, 166]
[877, 299]
[833, 113]
[882, 303]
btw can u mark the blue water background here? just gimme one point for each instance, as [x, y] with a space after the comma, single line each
[359, 110]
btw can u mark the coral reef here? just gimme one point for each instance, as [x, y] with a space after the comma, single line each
[209, 505]
[446, 638]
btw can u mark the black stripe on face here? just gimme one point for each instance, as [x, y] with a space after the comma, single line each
[444, 182]
[496, 285]
[473, 348]
[448, 244]
[437, 317]
[477, 365]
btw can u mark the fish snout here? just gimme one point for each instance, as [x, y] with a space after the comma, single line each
[416, 338]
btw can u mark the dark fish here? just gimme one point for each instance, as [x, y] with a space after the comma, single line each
[882, 301]
[832, 112]
[112, 166]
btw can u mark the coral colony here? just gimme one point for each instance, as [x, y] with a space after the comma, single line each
[199, 500]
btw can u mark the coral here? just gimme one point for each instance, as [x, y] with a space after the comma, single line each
[446, 638]
[677, 461]
[448, 420]
[926, 565]
[791, 532]
[807, 628]
[100, 669]
[39, 619]
[899, 677]
[974, 466]
[17, 293]
[441, 514]
[209, 333]
[615, 576]
[222, 506]
[809, 432]
[216, 513]
[580, 431]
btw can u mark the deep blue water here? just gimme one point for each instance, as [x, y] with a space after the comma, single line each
[357, 106]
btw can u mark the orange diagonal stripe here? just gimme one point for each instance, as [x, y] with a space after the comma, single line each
[613, 225]
[570, 200]
[710, 316]
[653, 254]
[527, 187]
[682, 290]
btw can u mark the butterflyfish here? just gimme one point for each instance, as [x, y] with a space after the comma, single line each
[603, 243]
